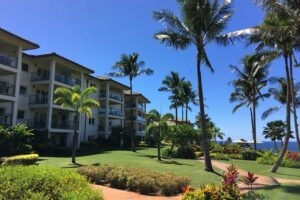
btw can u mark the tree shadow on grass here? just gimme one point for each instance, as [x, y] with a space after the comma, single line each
[292, 189]
[288, 174]
[73, 165]
[173, 162]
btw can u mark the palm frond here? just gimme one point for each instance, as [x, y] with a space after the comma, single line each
[270, 111]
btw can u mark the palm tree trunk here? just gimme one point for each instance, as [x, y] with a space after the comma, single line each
[182, 112]
[293, 93]
[159, 142]
[288, 119]
[186, 113]
[75, 138]
[132, 115]
[176, 115]
[207, 158]
[254, 123]
[275, 144]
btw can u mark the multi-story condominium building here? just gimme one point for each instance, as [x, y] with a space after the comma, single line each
[27, 85]
[139, 109]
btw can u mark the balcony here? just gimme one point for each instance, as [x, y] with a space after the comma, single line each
[38, 100]
[7, 89]
[141, 107]
[141, 119]
[35, 76]
[115, 112]
[128, 105]
[115, 96]
[102, 110]
[8, 60]
[68, 80]
[6, 120]
[63, 125]
[36, 123]
[102, 94]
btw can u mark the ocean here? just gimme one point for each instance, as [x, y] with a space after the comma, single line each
[270, 146]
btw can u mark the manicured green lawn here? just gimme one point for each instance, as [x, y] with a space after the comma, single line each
[144, 158]
[286, 191]
[252, 166]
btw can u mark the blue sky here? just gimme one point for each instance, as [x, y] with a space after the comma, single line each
[95, 33]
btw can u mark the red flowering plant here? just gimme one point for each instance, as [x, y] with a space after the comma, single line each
[186, 189]
[294, 156]
[249, 180]
[230, 180]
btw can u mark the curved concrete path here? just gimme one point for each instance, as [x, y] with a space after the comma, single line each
[115, 194]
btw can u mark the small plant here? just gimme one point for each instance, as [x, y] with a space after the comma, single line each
[293, 156]
[249, 180]
[29, 159]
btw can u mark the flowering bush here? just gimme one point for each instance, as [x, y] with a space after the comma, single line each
[293, 156]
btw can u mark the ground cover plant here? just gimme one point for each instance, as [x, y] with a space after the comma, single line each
[41, 182]
[135, 179]
[28, 159]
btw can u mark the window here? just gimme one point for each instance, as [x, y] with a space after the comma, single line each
[92, 121]
[23, 90]
[92, 85]
[25, 67]
[21, 114]
[90, 138]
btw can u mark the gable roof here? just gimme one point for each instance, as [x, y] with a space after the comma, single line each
[127, 93]
[108, 79]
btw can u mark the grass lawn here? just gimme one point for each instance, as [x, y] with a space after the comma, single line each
[143, 158]
[252, 166]
[285, 191]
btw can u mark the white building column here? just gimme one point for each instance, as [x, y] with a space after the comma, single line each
[51, 93]
[17, 86]
[123, 109]
[136, 115]
[106, 109]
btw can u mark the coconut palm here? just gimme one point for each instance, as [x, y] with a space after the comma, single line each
[80, 101]
[276, 38]
[156, 120]
[189, 96]
[201, 23]
[251, 79]
[275, 130]
[130, 66]
[172, 83]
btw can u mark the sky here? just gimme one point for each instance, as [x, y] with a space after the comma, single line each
[95, 33]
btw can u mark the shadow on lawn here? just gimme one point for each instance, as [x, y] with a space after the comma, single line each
[293, 189]
[287, 174]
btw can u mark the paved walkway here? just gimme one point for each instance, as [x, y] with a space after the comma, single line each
[115, 194]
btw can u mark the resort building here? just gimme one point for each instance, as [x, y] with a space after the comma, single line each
[27, 85]
[139, 112]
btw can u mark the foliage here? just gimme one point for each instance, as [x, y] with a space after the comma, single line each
[249, 180]
[213, 131]
[15, 140]
[185, 152]
[135, 179]
[269, 158]
[39, 182]
[29, 159]
[168, 153]
[219, 156]
[250, 155]
[294, 156]
[183, 135]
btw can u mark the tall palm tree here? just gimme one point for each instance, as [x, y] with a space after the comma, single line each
[130, 66]
[80, 101]
[279, 94]
[276, 38]
[189, 96]
[156, 120]
[172, 83]
[251, 79]
[275, 130]
[201, 22]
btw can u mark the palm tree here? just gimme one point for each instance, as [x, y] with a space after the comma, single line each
[129, 66]
[81, 102]
[275, 130]
[155, 119]
[279, 94]
[172, 83]
[276, 37]
[251, 79]
[202, 22]
[189, 96]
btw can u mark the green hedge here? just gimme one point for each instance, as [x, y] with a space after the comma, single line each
[41, 182]
[29, 159]
[135, 179]
[269, 158]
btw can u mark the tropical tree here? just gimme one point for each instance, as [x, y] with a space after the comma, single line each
[251, 79]
[172, 83]
[157, 121]
[189, 96]
[279, 94]
[80, 101]
[201, 23]
[213, 131]
[129, 66]
[275, 130]
[277, 37]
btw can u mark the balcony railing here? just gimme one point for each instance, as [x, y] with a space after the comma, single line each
[102, 94]
[36, 123]
[115, 96]
[141, 119]
[115, 112]
[8, 60]
[102, 110]
[7, 89]
[6, 120]
[38, 99]
[128, 105]
[63, 124]
[68, 80]
[141, 107]
[35, 76]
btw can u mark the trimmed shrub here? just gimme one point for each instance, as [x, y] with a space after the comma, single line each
[135, 179]
[198, 154]
[168, 153]
[186, 152]
[268, 158]
[219, 156]
[29, 159]
[250, 155]
[41, 182]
